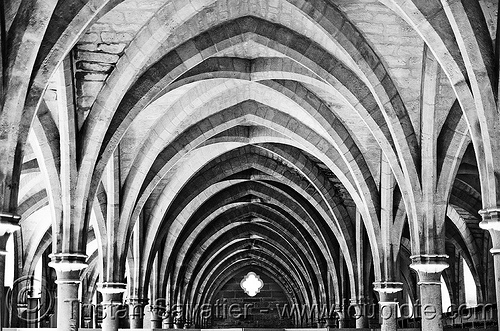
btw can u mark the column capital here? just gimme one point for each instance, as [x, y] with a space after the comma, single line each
[138, 301]
[111, 288]
[388, 287]
[9, 223]
[68, 266]
[491, 218]
[429, 263]
[357, 301]
[68, 261]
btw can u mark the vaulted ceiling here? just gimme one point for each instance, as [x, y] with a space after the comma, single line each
[194, 138]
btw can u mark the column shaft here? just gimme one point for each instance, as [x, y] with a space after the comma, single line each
[8, 224]
[112, 305]
[357, 312]
[68, 304]
[111, 308]
[491, 222]
[431, 301]
[136, 313]
[429, 269]
[168, 322]
[361, 318]
[3, 312]
[339, 312]
[68, 266]
[388, 312]
[156, 320]
[496, 263]
[388, 305]
[33, 305]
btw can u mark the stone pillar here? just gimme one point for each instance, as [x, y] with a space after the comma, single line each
[88, 314]
[429, 269]
[357, 311]
[3, 252]
[112, 300]
[68, 267]
[491, 222]
[339, 313]
[156, 317]
[388, 304]
[8, 224]
[168, 322]
[136, 312]
[330, 322]
[496, 266]
[32, 311]
[21, 313]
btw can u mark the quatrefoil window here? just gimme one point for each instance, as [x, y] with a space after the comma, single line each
[251, 284]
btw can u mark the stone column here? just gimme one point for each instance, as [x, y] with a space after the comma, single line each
[357, 311]
[68, 267]
[112, 300]
[388, 304]
[329, 322]
[156, 317]
[3, 252]
[339, 313]
[32, 312]
[136, 312]
[8, 224]
[168, 321]
[88, 314]
[429, 269]
[491, 222]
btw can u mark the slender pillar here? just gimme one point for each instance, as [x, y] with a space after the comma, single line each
[136, 312]
[32, 316]
[357, 311]
[68, 267]
[388, 288]
[88, 314]
[156, 317]
[158, 303]
[388, 305]
[3, 252]
[8, 224]
[359, 303]
[329, 322]
[429, 269]
[137, 303]
[168, 322]
[112, 300]
[491, 222]
[339, 313]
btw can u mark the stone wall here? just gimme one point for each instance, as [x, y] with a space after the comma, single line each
[263, 311]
